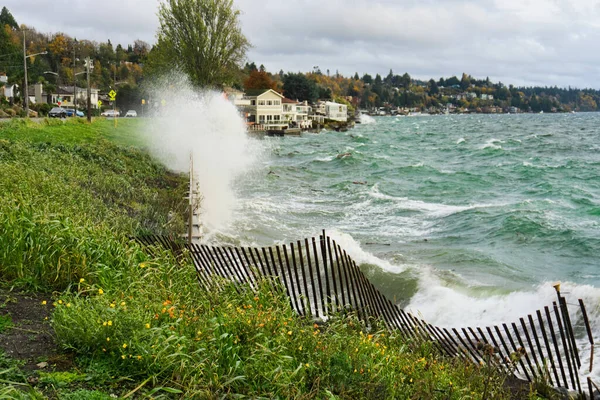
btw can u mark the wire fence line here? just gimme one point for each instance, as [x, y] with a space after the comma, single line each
[321, 279]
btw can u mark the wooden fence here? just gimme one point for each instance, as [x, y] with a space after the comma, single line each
[320, 279]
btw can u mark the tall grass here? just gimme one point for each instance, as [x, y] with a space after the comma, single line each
[65, 209]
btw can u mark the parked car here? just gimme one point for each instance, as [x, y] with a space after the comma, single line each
[57, 112]
[70, 112]
[110, 113]
[131, 113]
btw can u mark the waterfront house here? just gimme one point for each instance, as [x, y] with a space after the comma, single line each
[266, 108]
[336, 111]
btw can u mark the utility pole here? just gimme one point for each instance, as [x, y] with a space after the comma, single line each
[74, 83]
[89, 92]
[26, 94]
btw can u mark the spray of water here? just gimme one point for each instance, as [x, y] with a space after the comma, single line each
[208, 126]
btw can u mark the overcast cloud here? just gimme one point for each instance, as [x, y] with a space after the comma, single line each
[532, 42]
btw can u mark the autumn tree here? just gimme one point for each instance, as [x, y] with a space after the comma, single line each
[203, 38]
[259, 80]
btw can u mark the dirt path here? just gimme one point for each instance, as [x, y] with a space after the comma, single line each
[26, 334]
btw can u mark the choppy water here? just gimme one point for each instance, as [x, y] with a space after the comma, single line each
[463, 219]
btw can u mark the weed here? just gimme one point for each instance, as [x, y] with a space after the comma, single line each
[5, 323]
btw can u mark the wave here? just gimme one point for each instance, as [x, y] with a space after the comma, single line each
[434, 209]
[367, 119]
[492, 144]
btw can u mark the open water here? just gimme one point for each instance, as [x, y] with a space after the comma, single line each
[465, 220]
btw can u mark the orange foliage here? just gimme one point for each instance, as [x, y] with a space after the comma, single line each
[259, 80]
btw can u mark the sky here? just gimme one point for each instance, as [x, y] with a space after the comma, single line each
[520, 42]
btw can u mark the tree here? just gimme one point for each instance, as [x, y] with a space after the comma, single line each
[298, 86]
[259, 80]
[433, 87]
[6, 18]
[367, 79]
[465, 81]
[203, 38]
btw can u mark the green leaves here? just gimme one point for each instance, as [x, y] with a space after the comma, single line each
[202, 38]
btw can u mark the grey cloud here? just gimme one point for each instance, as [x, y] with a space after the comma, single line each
[543, 42]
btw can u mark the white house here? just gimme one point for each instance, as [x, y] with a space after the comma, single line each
[266, 108]
[302, 115]
[10, 91]
[336, 111]
[487, 96]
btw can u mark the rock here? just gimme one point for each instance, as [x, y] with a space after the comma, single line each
[42, 365]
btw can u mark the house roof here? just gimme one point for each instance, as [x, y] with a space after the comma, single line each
[260, 92]
[288, 101]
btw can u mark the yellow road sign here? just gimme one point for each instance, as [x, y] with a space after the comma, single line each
[112, 94]
[99, 103]
[143, 101]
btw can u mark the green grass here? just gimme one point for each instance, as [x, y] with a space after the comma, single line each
[5, 322]
[75, 131]
[142, 326]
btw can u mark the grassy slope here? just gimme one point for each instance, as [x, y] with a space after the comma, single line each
[70, 194]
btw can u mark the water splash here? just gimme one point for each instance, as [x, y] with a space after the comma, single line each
[203, 123]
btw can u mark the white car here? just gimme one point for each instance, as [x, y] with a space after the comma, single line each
[131, 113]
[110, 113]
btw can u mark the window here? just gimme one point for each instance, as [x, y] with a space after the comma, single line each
[276, 117]
[269, 102]
[277, 102]
[261, 102]
[269, 118]
[253, 102]
[261, 119]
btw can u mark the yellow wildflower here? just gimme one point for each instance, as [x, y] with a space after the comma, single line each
[112, 305]
[100, 291]
[60, 302]
[124, 345]
[81, 280]
[104, 323]
[122, 303]
[147, 326]
[108, 339]
[109, 323]
[139, 357]
[289, 332]
[68, 304]
[123, 356]
[44, 302]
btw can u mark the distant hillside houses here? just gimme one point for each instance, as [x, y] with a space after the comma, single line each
[266, 109]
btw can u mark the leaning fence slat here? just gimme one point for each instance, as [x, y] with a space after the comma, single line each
[346, 286]
[308, 309]
[293, 292]
[565, 345]
[516, 352]
[556, 347]
[312, 282]
[588, 329]
[352, 285]
[329, 297]
[526, 353]
[304, 297]
[338, 304]
[569, 330]
[318, 273]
